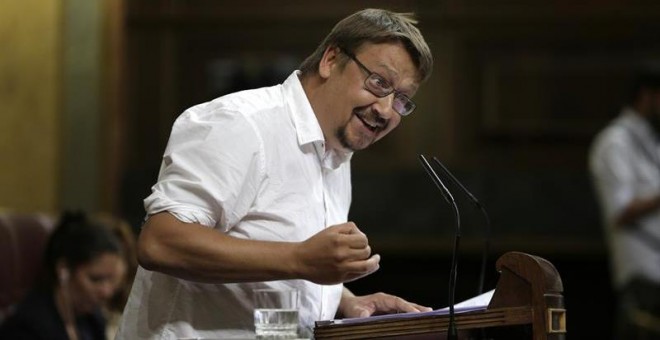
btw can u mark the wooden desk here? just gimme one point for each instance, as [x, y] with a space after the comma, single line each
[527, 304]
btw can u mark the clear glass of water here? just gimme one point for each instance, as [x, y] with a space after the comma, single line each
[276, 313]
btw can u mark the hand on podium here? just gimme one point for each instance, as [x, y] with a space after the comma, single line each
[352, 306]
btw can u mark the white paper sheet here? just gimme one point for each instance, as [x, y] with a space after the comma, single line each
[479, 302]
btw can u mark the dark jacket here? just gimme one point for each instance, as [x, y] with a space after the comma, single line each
[36, 318]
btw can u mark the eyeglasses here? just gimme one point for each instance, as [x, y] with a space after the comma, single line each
[380, 88]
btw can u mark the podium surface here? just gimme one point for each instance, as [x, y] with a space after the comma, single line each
[527, 304]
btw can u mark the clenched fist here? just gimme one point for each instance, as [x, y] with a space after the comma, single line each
[338, 254]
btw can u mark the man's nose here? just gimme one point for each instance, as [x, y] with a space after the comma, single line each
[384, 106]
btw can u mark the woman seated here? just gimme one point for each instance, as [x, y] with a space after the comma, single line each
[84, 266]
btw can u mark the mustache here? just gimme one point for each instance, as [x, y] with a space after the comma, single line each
[371, 116]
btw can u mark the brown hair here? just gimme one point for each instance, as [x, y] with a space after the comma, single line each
[123, 231]
[375, 26]
[77, 239]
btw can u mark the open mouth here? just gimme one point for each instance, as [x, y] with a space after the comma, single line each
[372, 126]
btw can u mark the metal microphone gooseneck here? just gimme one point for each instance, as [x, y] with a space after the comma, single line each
[480, 207]
[452, 332]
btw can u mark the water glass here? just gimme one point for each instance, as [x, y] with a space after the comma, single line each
[276, 313]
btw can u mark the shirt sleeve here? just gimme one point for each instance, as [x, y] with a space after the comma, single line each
[211, 169]
[612, 166]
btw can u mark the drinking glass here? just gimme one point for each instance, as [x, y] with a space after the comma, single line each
[276, 313]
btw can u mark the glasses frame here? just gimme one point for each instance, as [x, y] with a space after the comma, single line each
[368, 85]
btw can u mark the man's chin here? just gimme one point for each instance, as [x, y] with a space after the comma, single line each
[358, 146]
[356, 141]
[348, 148]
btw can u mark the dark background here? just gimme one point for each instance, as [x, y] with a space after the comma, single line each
[518, 92]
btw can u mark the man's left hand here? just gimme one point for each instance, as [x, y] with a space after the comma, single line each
[352, 306]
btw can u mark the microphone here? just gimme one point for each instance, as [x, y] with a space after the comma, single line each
[452, 332]
[481, 208]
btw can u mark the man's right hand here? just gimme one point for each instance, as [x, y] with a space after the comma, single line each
[339, 253]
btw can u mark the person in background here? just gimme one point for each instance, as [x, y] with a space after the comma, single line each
[625, 168]
[255, 187]
[125, 234]
[83, 267]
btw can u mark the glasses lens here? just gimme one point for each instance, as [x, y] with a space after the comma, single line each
[381, 88]
[403, 105]
[378, 86]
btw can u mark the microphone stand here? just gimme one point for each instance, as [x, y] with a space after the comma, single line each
[480, 207]
[452, 331]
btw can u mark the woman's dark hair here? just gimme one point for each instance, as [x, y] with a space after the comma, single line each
[124, 232]
[76, 240]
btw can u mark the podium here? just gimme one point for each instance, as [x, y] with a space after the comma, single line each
[527, 304]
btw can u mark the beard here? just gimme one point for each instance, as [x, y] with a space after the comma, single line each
[358, 141]
[343, 139]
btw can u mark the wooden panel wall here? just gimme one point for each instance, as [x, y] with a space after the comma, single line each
[30, 78]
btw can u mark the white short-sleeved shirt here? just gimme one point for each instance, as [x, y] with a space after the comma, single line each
[252, 164]
[625, 164]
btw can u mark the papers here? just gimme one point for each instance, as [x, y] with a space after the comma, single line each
[477, 303]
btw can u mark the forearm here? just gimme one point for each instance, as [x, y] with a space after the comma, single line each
[197, 253]
[637, 209]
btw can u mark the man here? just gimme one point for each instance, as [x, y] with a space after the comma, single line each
[254, 190]
[625, 166]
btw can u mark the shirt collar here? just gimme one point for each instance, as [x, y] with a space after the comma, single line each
[308, 129]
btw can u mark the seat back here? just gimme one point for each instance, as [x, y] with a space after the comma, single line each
[22, 241]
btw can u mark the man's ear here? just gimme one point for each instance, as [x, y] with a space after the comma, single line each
[329, 61]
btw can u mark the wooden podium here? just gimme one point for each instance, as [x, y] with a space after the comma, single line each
[527, 304]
